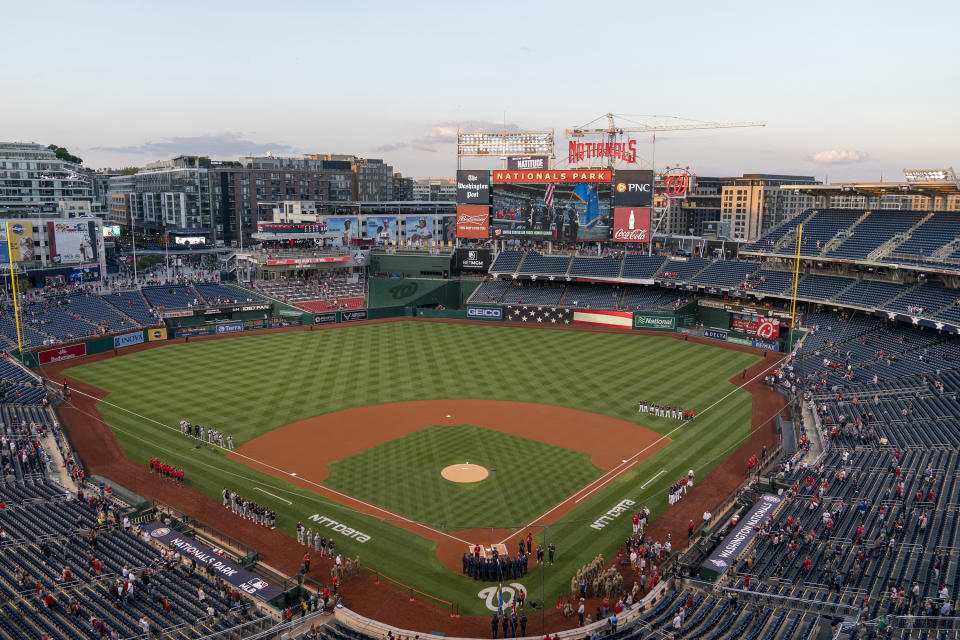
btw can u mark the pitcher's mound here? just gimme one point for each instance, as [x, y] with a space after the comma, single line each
[465, 472]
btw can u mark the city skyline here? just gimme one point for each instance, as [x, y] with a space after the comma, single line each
[847, 94]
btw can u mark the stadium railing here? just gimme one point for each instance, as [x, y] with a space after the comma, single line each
[243, 553]
[454, 608]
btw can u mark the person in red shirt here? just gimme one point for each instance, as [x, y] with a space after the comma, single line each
[636, 523]
[690, 528]
[66, 574]
[306, 561]
[48, 601]
[166, 604]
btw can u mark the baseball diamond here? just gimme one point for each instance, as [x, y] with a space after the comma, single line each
[351, 426]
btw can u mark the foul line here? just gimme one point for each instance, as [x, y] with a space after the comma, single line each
[611, 475]
[659, 473]
[272, 494]
[319, 486]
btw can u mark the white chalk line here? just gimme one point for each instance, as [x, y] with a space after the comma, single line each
[272, 494]
[658, 474]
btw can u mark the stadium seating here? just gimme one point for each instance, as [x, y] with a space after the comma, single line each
[214, 293]
[681, 270]
[725, 274]
[490, 291]
[97, 311]
[133, 304]
[873, 231]
[539, 294]
[924, 300]
[507, 262]
[823, 226]
[820, 287]
[172, 297]
[935, 232]
[870, 294]
[537, 263]
[641, 267]
[766, 281]
[596, 267]
[349, 292]
[639, 298]
[588, 296]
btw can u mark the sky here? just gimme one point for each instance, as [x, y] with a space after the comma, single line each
[849, 90]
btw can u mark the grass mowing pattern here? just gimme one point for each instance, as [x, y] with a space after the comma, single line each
[403, 476]
[248, 385]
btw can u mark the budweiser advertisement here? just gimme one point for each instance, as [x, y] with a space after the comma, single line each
[631, 224]
[561, 175]
[473, 221]
[62, 353]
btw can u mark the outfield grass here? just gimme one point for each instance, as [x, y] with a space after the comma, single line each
[252, 384]
[402, 475]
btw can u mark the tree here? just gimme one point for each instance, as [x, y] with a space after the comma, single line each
[129, 171]
[65, 155]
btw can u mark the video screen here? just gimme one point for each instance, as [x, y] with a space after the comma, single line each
[552, 211]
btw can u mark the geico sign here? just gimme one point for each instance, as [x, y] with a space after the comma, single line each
[633, 187]
[630, 235]
[484, 312]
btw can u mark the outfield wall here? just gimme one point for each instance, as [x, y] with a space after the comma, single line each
[420, 292]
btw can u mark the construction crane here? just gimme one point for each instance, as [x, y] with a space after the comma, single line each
[611, 131]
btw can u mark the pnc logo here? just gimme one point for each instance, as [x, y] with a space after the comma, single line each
[621, 187]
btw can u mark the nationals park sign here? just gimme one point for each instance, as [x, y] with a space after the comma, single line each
[741, 535]
[224, 567]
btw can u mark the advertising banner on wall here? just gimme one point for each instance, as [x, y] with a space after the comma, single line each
[538, 315]
[473, 187]
[382, 229]
[473, 259]
[418, 229]
[739, 538]
[346, 230]
[128, 339]
[641, 321]
[221, 566]
[230, 327]
[633, 188]
[473, 221]
[62, 353]
[603, 318]
[19, 246]
[523, 163]
[157, 334]
[715, 334]
[72, 242]
[325, 318]
[631, 224]
[353, 316]
[484, 313]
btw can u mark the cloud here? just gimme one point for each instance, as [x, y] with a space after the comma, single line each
[229, 143]
[840, 156]
[445, 133]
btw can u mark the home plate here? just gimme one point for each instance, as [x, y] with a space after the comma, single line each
[448, 415]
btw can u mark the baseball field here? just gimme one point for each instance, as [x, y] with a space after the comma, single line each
[348, 430]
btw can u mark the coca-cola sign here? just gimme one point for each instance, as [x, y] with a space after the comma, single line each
[631, 224]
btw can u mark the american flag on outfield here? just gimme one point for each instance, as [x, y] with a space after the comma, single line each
[548, 196]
